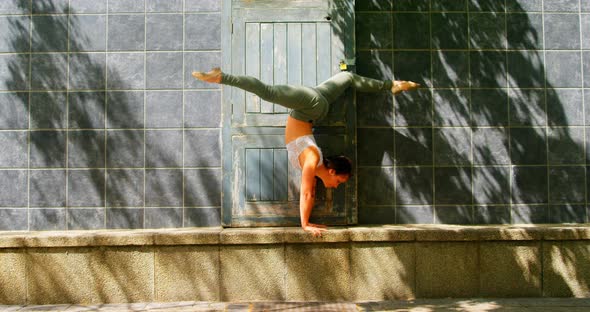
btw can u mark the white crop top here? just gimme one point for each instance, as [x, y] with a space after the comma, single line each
[295, 147]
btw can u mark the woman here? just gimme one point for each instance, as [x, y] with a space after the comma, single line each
[309, 105]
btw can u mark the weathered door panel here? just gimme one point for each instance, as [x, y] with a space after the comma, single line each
[283, 42]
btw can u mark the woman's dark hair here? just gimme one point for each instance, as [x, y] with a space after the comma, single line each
[342, 164]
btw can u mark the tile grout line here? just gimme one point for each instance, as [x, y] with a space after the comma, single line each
[30, 82]
[548, 188]
[66, 143]
[145, 94]
[184, 72]
[106, 115]
[584, 107]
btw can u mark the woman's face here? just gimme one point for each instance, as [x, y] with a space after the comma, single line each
[335, 179]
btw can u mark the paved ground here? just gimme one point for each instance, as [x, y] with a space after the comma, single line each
[423, 305]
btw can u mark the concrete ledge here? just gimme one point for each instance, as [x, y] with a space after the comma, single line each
[215, 236]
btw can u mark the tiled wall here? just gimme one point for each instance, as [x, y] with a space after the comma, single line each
[499, 133]
[101, 124]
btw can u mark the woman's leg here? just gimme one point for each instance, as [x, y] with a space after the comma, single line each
[332, 88]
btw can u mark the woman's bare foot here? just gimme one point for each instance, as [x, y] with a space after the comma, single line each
[213, 76]
[402, 85]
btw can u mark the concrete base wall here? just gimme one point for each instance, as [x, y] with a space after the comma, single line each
[286, 264]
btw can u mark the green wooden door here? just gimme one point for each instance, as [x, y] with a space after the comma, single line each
[298, 42]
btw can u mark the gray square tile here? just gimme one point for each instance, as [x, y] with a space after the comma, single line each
[373, 5]
[587, 106]
[375, 146]
[125, 71]
[453, 214]
[47, 219]
[164, 6]
[126, 32]
[486, 6]
[488, 69]
[375, 109]
[49, 33]
[413, 146]
[530, 214]
[586, 55]
[47, 188]
[452, 146]
[202, 217]
[126, 6]
[524, 31]
[16, 35]
[449, 5]
[374, 30]
[561, 6]
[164, 109]
[556, 26]
[449, 30]
[125, 109]
[88, 33]
[491, 214]
[376, 186]
[450, 69]
[487, 30]
[14, 108]
[163, 188]
[490, 146]
[125, 188]
[48, 149]
[87, 71]
[585, 27]
[527, 107]
[414, 215]
[418, 38]
[86, 188]
[529, 184]
[414, 66]
[525, 69]
[528, 146]
[376, 64]
[410, 5]
[202, 109]
[86, 219]
[200, 61]
[563, 69]
[202, 148]
[202, 5]
[86, 149]
[86, 110]
[567, 214]
[14, 219]
[451, 107]
[414, 185]
[88, 6]
[126, 218]
[164, 70]
[565, 107]
[491, 185]
[202, 187]
[567, 184]
[202, 31]
[163, 148]
[48, 110]
[452, 185]
[156, 218]
[125, 149]
[524, 5]
[15, 149]
[49, 71]
[489, 107]
[13, 188]
[14, 72]
[376, 214]
[16, 7]
[54, 6]
[411, 109]
[164, 32]
[585, 6]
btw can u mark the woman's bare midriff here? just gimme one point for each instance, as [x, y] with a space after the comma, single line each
[296, 128]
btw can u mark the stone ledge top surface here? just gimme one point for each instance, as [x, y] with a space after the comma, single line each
[281, 235]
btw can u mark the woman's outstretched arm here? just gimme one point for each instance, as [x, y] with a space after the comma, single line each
[307, 199]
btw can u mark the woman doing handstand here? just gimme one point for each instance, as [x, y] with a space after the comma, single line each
[308, 105]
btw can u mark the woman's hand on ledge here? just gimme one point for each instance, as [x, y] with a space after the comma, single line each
[315, 229]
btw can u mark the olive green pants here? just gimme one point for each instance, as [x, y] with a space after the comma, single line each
[307, 104]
